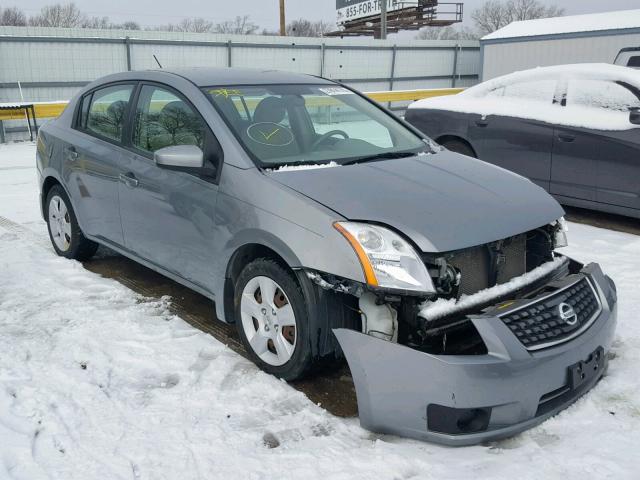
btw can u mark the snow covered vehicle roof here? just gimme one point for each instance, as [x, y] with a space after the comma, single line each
[478, 99]
[622, 19]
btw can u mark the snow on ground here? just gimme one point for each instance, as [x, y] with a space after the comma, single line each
[99, 382]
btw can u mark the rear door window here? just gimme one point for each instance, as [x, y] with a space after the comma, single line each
[601, 94]
[108, 111]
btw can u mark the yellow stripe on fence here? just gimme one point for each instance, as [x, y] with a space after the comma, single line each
[411, 95]
[52, 110]
[43, 110]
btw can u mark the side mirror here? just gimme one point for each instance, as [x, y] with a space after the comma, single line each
[634, 116]
[179, 157]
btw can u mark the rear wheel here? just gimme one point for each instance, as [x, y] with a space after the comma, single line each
[65, 234]
[459, 146]
[271, 318]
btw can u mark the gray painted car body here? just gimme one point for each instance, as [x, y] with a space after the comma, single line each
[509, 379]
[190, 228]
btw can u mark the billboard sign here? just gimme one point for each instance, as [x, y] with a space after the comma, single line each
[348, 10]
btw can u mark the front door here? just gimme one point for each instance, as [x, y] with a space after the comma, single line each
[518, 144]
[168, 215]
[575, 162]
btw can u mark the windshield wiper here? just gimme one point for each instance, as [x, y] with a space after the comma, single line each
[379, 156]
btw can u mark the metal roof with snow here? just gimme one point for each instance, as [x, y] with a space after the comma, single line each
[574, 25]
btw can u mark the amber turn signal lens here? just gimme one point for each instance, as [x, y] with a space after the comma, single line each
[369, 274]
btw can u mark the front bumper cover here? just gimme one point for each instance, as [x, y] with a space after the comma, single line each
[510, 389]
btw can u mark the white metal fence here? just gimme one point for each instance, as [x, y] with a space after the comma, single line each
[52, 63]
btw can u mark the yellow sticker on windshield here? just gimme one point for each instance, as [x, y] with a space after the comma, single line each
[225, 92]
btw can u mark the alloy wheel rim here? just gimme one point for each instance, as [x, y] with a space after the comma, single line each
[60, 223]
[268, 321]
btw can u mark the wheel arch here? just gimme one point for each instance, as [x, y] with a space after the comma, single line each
[326, 310]
[268, 247]
[48, 182]
[442, 139]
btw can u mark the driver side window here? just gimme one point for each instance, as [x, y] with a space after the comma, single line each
[163, 119]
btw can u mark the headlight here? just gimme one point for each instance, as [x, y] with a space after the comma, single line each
[388, 261]
[560, 233]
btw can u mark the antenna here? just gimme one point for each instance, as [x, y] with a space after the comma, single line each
[157, 61]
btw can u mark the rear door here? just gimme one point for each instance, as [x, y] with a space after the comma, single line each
[514, 142]
[598, 160]
[92, 159]
[168, 215]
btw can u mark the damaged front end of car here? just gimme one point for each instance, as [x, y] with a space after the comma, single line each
[495, 339]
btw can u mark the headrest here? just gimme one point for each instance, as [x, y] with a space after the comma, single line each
[270, 109]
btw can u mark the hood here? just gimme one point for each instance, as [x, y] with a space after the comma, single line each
[444, 201]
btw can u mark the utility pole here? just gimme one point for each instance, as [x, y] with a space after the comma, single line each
[283, 26]
[383, 19]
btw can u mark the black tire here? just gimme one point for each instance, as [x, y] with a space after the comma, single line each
[80, 247]
[459, 146]
[301, 362]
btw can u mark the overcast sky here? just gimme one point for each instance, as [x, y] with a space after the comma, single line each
[264, 12]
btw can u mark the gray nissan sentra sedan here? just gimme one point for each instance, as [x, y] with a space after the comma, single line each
[323, 226]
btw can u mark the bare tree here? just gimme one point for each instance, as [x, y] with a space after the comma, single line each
[495, 14]
[129, 25]
[530, 9]
[490, 17]
[13, 17]
[446, 33]
[59, 15]
[307, 28]
[96, 22]
[193, 25]
[241, 25]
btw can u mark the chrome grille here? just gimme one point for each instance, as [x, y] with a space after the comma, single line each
[540, 324]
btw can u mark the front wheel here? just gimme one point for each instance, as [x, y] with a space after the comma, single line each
[271, 318]
[64, 231]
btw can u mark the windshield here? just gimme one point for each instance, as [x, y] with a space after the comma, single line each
[308, 124]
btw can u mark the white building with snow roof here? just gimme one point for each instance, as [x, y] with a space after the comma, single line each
[597, 37]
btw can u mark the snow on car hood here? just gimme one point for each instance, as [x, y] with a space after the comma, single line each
[443, 201]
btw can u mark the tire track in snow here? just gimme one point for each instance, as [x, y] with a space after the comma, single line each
[24, 233]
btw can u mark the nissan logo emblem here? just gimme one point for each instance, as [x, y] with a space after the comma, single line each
[567, 314]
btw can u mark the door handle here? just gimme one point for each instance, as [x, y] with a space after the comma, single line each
[563, 137]
[129, 180]
[72, 154]
[482, 123]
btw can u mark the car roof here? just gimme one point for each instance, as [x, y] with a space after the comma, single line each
[208, 76]
[586, 71]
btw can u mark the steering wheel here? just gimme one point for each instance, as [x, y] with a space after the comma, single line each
[328, 134]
